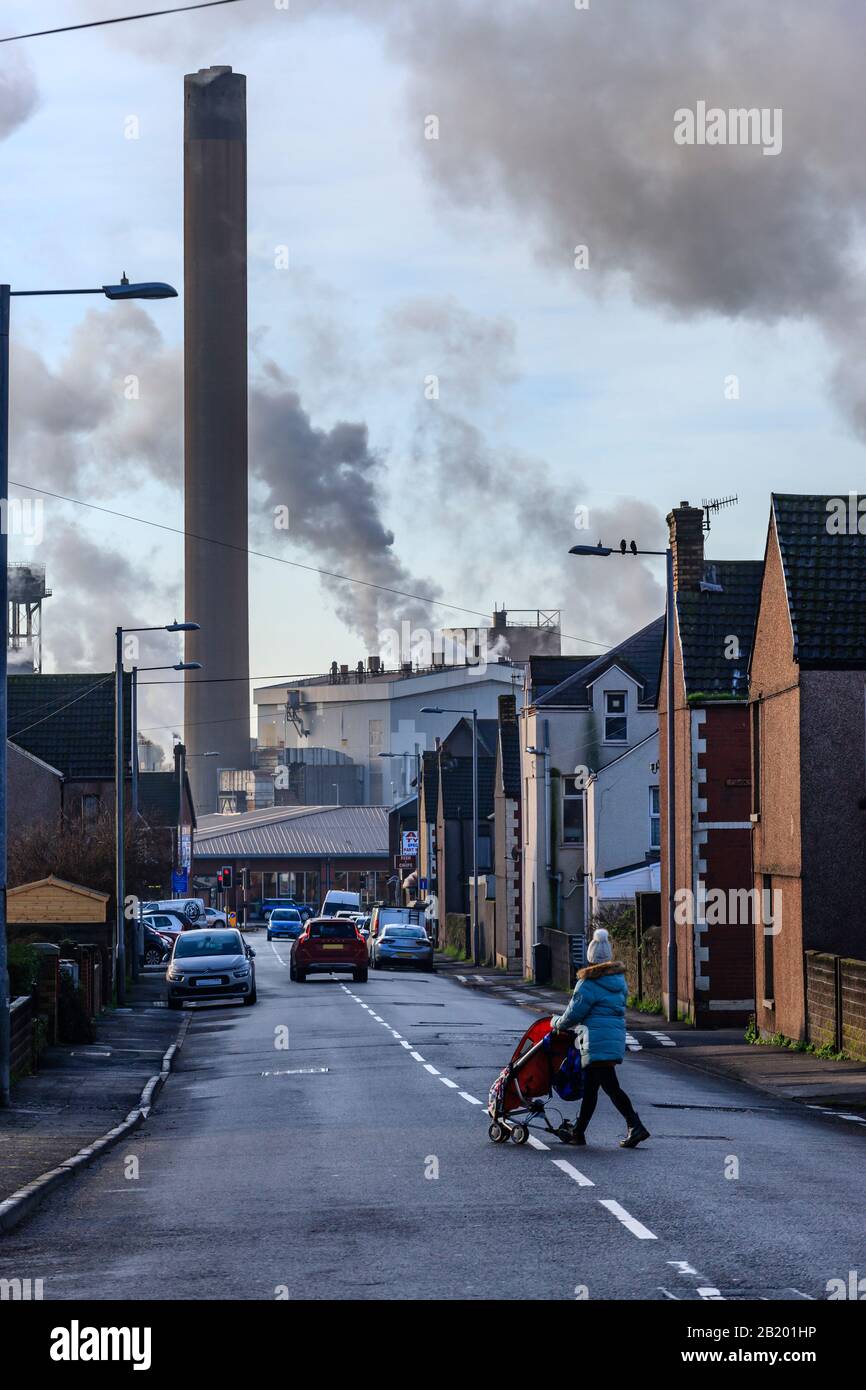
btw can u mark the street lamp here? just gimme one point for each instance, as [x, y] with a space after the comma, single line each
[439, 709]
[125, 290]
[119, 809]
[632, 549]
[177, 666]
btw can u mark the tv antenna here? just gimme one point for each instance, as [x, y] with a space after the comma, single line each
[715, 504]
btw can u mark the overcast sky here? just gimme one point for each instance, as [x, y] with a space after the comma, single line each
[409, 258]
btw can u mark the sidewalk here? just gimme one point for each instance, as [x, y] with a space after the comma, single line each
[84, 1090]
[819, 1082]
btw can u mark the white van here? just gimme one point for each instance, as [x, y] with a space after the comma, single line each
[336, 900]
[192, 909]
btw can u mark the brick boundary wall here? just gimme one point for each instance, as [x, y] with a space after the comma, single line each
[836, 1003]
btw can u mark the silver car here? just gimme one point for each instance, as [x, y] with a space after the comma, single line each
[210, 964]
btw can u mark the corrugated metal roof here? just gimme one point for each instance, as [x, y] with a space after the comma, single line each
[301, 831]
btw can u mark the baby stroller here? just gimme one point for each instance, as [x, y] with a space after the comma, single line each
[543, 1063]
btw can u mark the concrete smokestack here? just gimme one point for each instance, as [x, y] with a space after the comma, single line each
[216, 701]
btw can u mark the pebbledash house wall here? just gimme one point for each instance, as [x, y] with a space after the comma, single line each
[774, 685]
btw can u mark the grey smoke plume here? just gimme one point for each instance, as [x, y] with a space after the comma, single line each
[18, 93]
[330, 481]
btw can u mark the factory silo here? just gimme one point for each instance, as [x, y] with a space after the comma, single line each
[216, 700]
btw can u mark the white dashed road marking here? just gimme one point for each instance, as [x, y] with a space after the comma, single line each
[428, 1066]
[473, 1100]
[445, 1082]
[537, 1143]
[631, 1224]
[417, 1056]
[580, 1178]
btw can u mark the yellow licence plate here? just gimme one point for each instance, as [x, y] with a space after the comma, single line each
[336, 946]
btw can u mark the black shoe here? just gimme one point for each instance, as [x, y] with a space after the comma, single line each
[570, 1134]
[636, 1135]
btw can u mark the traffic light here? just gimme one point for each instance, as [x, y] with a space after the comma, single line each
[219, 878]
[226, 876]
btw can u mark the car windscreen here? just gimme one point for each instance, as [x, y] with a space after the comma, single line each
[416, 933]
[285, 914]
[212, 943]
[337, 929]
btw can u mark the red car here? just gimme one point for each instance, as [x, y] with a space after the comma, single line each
[329, 944]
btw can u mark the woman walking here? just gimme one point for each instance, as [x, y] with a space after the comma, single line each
[597, 1011]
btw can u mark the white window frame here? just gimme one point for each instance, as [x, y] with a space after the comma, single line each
[616, 714]
[655, 818]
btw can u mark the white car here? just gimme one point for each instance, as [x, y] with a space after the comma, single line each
[215, 918]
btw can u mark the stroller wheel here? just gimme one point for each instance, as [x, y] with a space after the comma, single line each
[519, 1134]
[497, 1132]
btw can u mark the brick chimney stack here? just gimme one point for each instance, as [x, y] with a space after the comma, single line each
[686, 525]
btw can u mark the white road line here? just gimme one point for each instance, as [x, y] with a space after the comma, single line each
[632, 1043]
[662, 1038]
[277, 954]
[462, 979]
[636, 1228]
[667, 1293]
[537, 1143]
[580, 1178]
[397, 1035]
[417, 1056]
[376, 1016]
[683, 1267]
[428, 1066]
[480, 977]
[712, 1294]
[403, 1043]
[473, 1100]
[446, 1082]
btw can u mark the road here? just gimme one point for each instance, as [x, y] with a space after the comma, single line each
[331, 1142]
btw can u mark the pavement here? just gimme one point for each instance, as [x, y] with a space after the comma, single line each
[83, 1090]
[331, 1142]
[820, 1082]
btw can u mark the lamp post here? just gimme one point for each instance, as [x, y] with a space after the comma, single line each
[125, 290]
[119, 809]
[408, 755]
[438, 709]
[602, 550]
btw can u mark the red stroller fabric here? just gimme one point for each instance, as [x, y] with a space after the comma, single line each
[530, 1072]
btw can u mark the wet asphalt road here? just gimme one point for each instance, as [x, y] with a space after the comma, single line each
[310, 1147]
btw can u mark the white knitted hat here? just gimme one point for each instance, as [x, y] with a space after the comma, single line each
[599, 949]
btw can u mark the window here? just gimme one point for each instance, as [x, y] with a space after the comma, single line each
[572, 813]
[769, 963]
[615, 717]
[655, 818]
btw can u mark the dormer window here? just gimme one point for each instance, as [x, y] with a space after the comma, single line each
[615, 717]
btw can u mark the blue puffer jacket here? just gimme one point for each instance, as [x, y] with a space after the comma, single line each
[597, 1011]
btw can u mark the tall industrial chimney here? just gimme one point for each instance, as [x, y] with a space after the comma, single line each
[216, 700]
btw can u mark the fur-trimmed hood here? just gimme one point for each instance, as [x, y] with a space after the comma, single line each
[594, 972]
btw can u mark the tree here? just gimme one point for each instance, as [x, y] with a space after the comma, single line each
[84, 854]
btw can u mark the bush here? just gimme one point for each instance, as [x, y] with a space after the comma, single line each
[73, 1023]
[23, 963]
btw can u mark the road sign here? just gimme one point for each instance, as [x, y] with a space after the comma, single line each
[409, 840]
[422, 885]
[180, 881]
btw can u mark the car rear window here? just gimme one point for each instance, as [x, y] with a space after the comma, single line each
[417, 933]
[337, 928]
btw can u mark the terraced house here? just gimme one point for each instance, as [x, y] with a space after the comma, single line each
[716, 604]
[808, 716]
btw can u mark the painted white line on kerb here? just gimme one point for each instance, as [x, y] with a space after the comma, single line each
[473, 1100]
[632, 1043]
[662, 1038]
[536, 1143]
[462, 979]
[479, 977]
[580, 1178]
[428, 1066]
[445, 1082]
[637, 1229]
[417, 1056]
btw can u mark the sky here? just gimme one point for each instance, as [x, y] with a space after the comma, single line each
[382, 260]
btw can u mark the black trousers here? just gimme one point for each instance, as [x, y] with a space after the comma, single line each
[605, 1079]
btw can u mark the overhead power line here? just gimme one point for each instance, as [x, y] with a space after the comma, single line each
[119, 19]
[277, 559]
